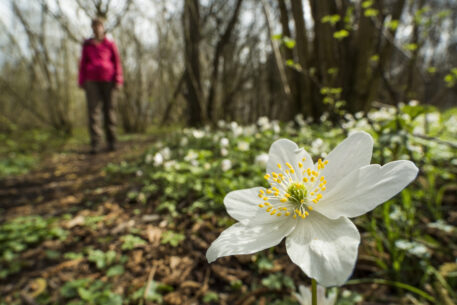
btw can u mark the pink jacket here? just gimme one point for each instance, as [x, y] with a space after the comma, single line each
[100, 62]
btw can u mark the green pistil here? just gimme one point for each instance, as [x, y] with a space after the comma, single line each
[297, 192]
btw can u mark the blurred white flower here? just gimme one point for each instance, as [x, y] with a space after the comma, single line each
[249, 130]
[299, 119]
[169, 164]
[158, 159]
[441, 225]
[198, 134]
[226, 165]
[413, 248]
[224, 142]
[243, 146]
[224, 152]
[359, 115]
[324, 116]
[221, 124]
[191, 155]
[166, 153]
[262, 159]
[413, 102]
[263, 121]
[149, 158]
[397, 214]
[304, 296]
[276, 127]
[184, 141]
[139, 173]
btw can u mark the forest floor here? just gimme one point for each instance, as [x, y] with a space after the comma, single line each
[146, 266]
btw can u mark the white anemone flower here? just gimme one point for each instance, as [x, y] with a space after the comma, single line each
[310, 204]
[261, 159]
[243, 146]
[226, 164]
[158, 159]
[304, 296]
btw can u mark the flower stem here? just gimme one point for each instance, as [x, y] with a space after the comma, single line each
[314, 291]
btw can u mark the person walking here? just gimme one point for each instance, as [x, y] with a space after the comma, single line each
[100, 75]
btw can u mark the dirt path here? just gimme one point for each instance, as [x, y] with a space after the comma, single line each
[64, 180]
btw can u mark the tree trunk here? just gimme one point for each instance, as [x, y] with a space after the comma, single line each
[193, 95]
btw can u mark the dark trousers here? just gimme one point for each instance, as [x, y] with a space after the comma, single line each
[101, 97]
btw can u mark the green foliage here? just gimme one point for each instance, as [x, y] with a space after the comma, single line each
[393, 25]
[371, 12]
[130, 242]
[451, 78]
[278, 281]
[172, 238]
[22, 233]
[332, 19]
[154, 291]
[90, 292]
[341, 34]
[210, 297]
[289, 42]
[101, 259]
[410, 47]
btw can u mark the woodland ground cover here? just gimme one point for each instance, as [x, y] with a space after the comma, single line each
[135, 228]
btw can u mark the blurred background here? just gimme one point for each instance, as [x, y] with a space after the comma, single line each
[203, 61]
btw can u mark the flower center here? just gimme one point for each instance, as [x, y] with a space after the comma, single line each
[298, 192]
[293, 190]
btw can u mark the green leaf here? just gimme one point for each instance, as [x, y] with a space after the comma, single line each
[210, 297]
[276, 37]
[115, 270]
[393, 24]
[289, 43]
[341, 34]
[332, 19]
[371, 12]
[367, 3]
[131, 242]
[410, 47]
[172, 238]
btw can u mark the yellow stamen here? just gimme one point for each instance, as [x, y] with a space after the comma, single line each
[261, 205]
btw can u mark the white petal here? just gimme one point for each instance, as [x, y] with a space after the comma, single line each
[304, 296]
[366, 188]
[240, 239]
[354, 152]
[324, 249]
[282, 151]
[243, 204]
